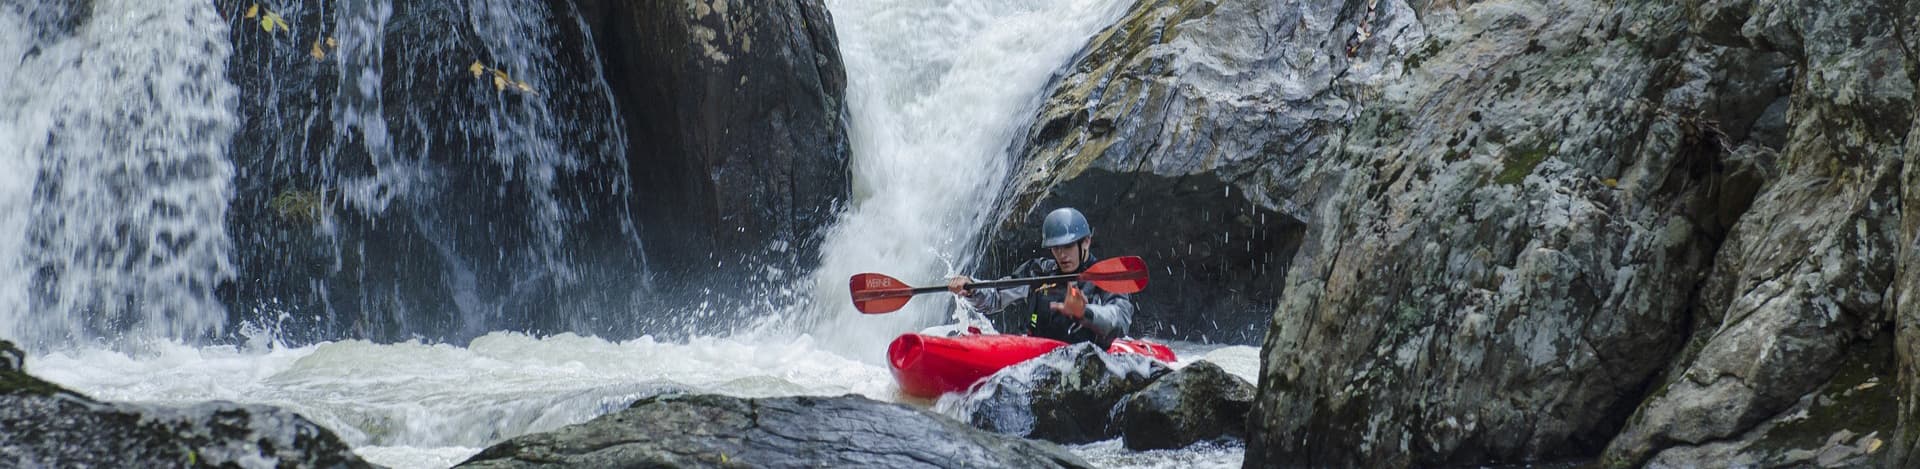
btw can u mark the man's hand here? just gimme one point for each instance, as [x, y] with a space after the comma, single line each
[958, 285]
[1076, 305]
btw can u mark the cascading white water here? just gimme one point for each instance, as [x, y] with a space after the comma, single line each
[114, 199]
[938, 89]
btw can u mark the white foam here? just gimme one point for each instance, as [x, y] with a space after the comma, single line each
[437, 396]
[937, 90]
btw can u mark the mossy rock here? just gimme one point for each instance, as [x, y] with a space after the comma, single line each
[1518, 163]
[14, 380]
[299, 206]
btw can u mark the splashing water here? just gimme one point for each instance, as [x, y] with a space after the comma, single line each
[938, 90]
[417, 405]
[113, 206]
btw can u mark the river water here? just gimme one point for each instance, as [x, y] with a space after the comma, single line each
[413, 405]
[937, 91]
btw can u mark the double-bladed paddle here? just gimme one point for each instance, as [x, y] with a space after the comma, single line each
[878, 294]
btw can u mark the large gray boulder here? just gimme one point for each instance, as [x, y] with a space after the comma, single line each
[719, 431]
[1523, 228]
[1848, 422]
[1178, 144]
[44, 425]
[1200, 402]
[1066, 396]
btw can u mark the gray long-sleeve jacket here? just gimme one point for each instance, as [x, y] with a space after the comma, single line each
[1107, 317]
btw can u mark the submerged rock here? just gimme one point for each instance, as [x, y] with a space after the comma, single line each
[710, 430]
[44, 425]
[1197, 403]
[1066, 396]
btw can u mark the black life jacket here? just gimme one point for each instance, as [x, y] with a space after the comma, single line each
[1039, 319]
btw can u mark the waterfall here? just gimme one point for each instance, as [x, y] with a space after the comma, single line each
[938, 90]
[113, 204]
[324, 170]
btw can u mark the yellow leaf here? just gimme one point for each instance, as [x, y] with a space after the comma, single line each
[266, 24]
[253, 11]
[499, 83]
[318, 53]
[333, 43]
[477, 69]
[1610, 182]
[1873, 446]
[501, 74]
[524, 86]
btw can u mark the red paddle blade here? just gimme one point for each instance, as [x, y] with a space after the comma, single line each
[1119, 275]
[876, 294]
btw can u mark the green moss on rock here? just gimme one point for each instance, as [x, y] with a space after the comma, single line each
[1518, 163]
[14, 383]
[298, 206]
[1861, 398]
[14, 380]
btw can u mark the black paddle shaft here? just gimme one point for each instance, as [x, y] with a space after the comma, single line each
[1012, 282]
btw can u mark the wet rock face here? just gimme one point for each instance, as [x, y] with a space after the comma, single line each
[1517, 222]
[1169, 136]
[1200, 402]
[707, 430]
[385, 187]
[43, 425]
[450, 168]
[735, 111]
[1065, 396]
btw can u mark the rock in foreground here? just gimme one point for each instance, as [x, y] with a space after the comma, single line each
[709, 430]
[44, 425]
[1197, 403]
[1065, 396]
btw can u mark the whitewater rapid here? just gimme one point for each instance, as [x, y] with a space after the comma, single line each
[938, 90]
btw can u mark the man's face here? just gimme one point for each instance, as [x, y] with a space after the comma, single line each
[1068, 256]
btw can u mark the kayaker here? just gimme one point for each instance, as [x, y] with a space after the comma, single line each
[1079, 312]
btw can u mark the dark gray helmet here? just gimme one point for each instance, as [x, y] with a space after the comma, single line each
[1064, 226]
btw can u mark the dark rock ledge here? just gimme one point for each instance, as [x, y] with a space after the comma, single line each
[806, 431]
[45, 425]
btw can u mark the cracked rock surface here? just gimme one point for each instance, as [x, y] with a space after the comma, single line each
[1515, 230]
[806, 431]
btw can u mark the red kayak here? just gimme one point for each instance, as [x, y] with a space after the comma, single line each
[927, 366]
